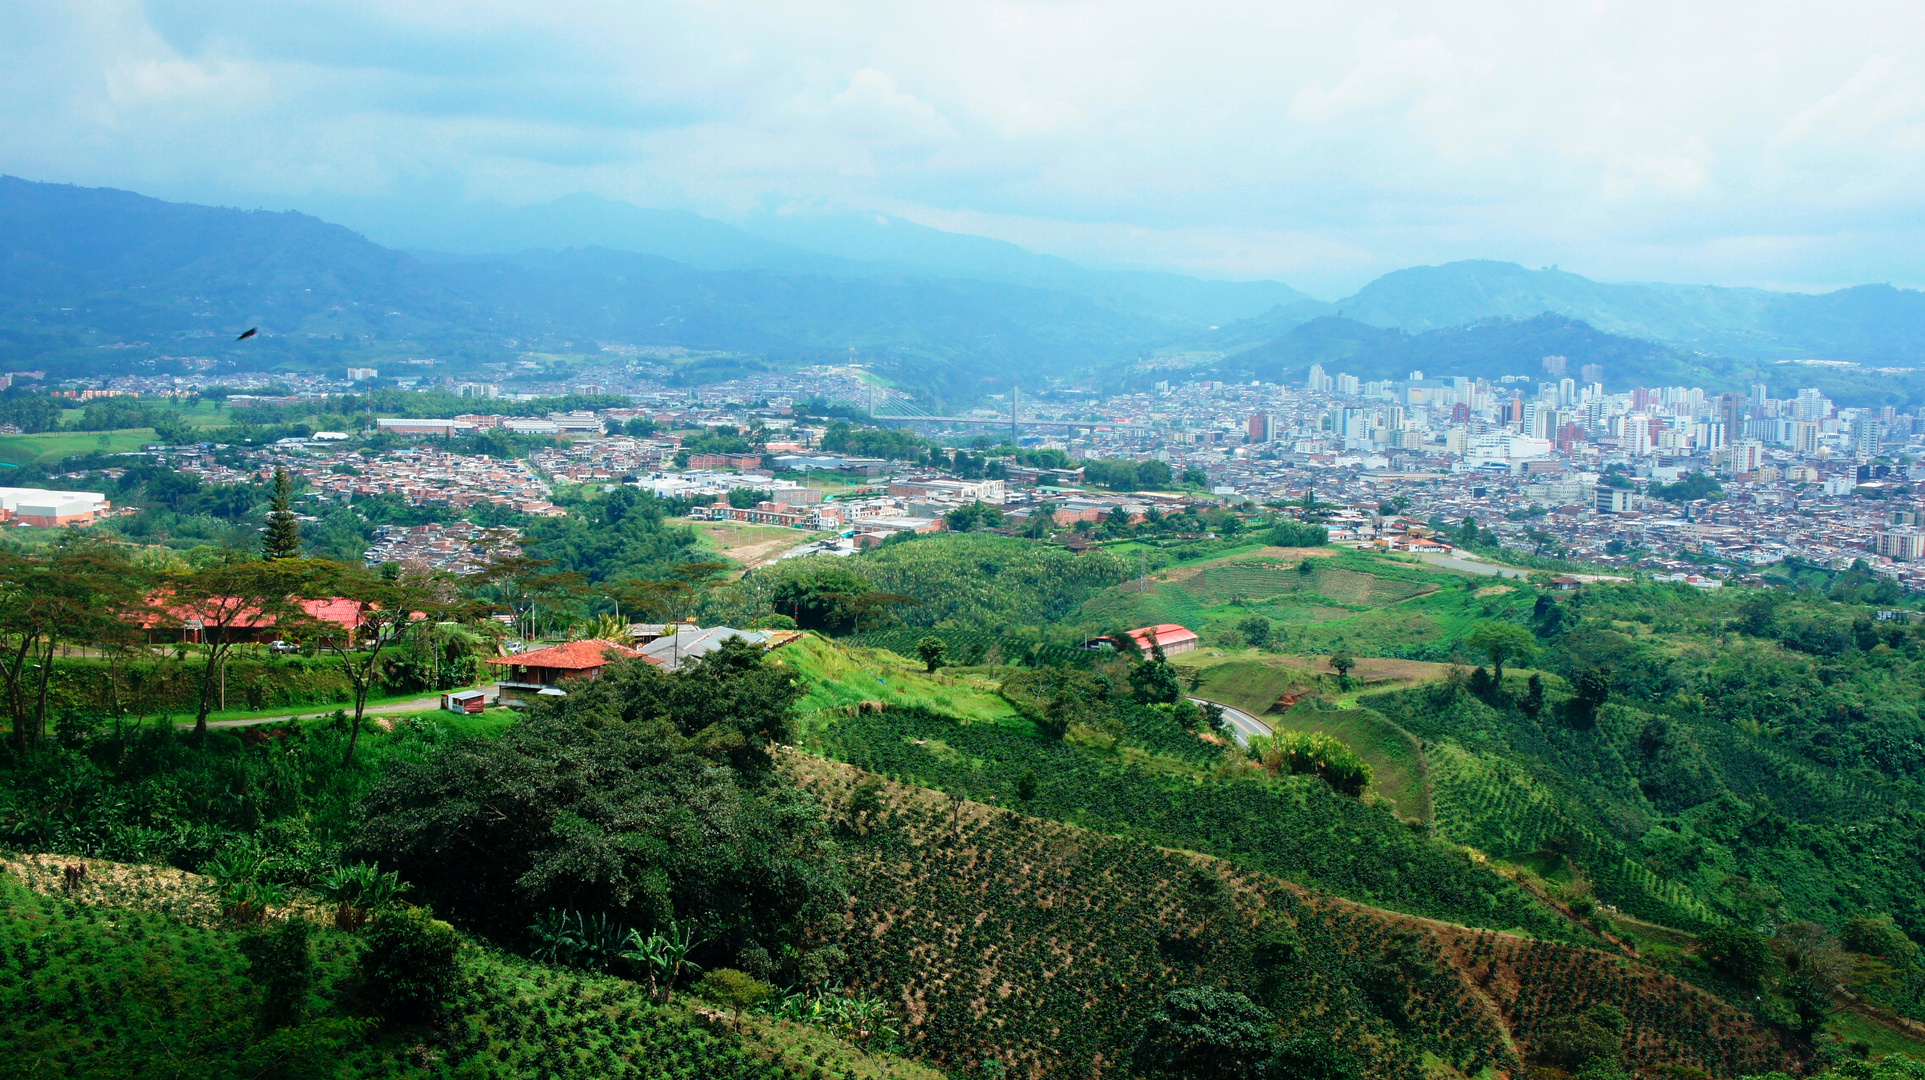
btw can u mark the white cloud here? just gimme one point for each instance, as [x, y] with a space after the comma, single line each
[1323, 143]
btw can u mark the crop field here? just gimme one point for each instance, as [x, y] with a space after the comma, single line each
[1669, 1022]
[106, 983]
[1500, 808]
[1295, 828]
[961, 913]
[1316, 599]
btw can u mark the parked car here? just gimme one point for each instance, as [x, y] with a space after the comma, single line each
[282, 648]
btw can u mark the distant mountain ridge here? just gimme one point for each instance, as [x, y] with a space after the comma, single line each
[82, 269]
[1865, 323]
[847, 246]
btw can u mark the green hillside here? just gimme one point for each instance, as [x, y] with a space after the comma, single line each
[1044, 947]
[1677, 837]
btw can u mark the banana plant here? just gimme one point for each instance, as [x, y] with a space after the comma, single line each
[358, 892]
[662, 957]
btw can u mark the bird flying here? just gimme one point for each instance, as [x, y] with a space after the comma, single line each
[251, 331]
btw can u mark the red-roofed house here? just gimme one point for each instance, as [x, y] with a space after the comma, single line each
[218, 617]
[532, 675]
[1173, 638]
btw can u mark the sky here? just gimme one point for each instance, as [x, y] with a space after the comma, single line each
[1771, 144]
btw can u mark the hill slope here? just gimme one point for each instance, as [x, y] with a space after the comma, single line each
[1044, 947]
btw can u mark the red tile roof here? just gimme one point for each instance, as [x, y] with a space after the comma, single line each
[338, 610]
[572, 656]
[1164, 634]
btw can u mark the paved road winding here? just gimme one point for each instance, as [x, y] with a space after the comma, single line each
[1243, 726]
[417, 705]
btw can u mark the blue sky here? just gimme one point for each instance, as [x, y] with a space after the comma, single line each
[1771, 144]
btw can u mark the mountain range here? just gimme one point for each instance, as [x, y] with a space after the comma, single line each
[950, 314]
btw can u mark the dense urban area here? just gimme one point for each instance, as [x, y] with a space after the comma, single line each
[1669, 480]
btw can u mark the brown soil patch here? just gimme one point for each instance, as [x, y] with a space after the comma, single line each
[190, 897]
[1372, 668]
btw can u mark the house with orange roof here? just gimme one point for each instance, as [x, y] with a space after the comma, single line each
[531, 676]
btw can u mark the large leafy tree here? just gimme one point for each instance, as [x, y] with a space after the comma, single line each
[645, 796]
[1204, 1032]
[384, 609]
[1501, 642]
[82, 593]
[226, 603]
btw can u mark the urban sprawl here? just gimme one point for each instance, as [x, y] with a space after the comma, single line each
[1553, 463]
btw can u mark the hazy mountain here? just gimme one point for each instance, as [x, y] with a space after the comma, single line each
[1511, 346]
[1489, 350]
[576, 221]
[829, 245]
[875, 238]
[1869, 323]
[82, 269]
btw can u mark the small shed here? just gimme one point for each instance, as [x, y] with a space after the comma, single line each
[464, 701]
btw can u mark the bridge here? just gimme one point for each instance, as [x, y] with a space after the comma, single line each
[1012, 422]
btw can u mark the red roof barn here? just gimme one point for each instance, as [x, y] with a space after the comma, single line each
[1172, 637]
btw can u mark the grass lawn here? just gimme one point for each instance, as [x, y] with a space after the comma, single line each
[750, 545]
[841, 678]
[55, 445]
[375, 704]
[1397, 770]
[1883, 1038]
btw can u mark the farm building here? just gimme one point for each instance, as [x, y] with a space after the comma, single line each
[531, 673]
[1172, 637]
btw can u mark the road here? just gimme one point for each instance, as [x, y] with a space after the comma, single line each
[1243, 726]
[423, 704]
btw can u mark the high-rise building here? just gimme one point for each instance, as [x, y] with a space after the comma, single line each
[1591, 373]
[1812, 404]
[1902, 542]
[1319, 382]
[1555, 366]
[1864, 438]
[1635, 437]
[1804, 437]
[1347, 384]
[1261, 426]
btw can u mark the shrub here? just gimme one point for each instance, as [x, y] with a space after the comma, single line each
[1299, 534]
[409, 968]
[736, 989]
[1206, 1032]
[1304, 752]
[1573, 1042]
[281, 963]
